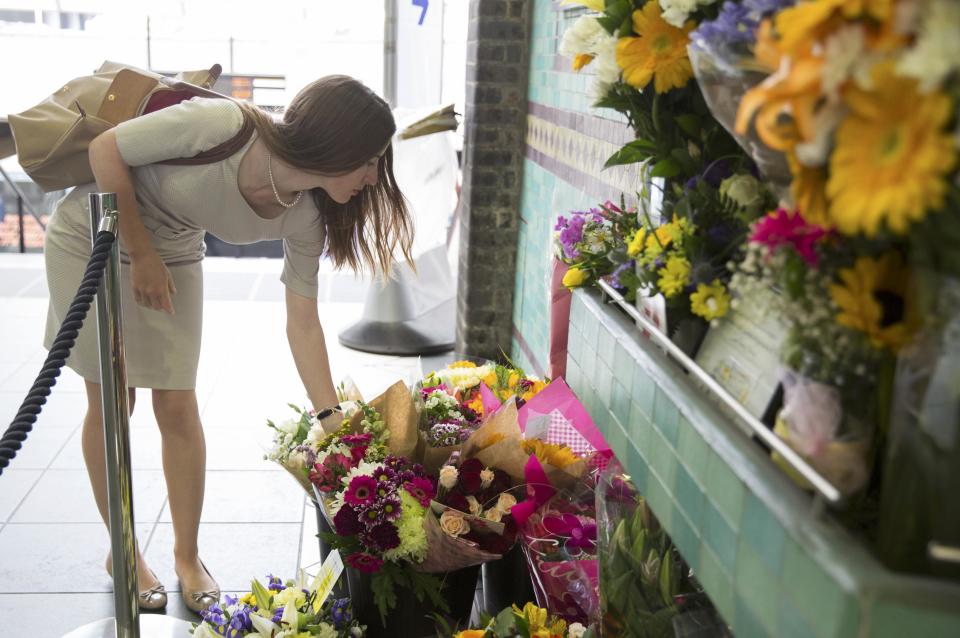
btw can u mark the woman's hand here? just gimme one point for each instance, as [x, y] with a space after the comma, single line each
[152, 282]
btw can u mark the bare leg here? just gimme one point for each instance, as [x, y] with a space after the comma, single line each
[184, 462]
[95, 457]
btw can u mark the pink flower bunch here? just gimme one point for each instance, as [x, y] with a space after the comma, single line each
[340, 459]
[786, 228]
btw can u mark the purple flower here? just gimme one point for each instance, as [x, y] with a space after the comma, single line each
[763, 8]
[581, 536]
[274, 583]
[389, 507]
[735, 24]
[571, 234]
[341, 613]
[240, 623]
[278, 615]
[444, 434]
[614, 278]
[382, 537]
[347, 521]
[214, 615]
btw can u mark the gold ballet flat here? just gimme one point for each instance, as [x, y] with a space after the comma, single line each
[150, 599]
[198, 600]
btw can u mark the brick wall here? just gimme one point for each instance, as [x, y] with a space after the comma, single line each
[494, 124]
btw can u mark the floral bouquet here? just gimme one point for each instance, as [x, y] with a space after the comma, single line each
[560, 543]
[529, 622]
[295, 444]
[379, 519]
[644, 583]
[474, 506]
[840, 344]
[592, 243]
[453, 402]
[279, 610]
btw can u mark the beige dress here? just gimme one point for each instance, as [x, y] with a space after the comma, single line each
[177, 204]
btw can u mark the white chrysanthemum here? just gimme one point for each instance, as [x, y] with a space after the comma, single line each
[464, 378]
[289, 426]
[842, 52]
[605, 68]
[936, 52]
[676, 12]
[582, 37]
[316, 435]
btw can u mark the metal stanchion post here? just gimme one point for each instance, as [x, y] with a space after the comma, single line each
[116, 430]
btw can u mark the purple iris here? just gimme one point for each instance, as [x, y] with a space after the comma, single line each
[278, 615]
[214, 615]
[274, 583]
[581, 536]
[240, 623]
[341, 613]
[614, 278]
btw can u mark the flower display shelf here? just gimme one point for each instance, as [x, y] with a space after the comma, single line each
[770, 556]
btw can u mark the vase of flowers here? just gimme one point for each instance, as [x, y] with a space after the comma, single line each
[919, 520]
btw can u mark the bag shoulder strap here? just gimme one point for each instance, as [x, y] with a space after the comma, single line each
[221, 151]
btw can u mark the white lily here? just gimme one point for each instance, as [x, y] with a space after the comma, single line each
[203, 631]
[264, 626]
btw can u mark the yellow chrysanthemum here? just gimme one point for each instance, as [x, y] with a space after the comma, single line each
[659, 52]
[462, 364]
[892, 156]
[809, 191]
[476, 404]
[556, 455]
[249, 599]
[810, 21]
[574, 278]
[674, 276]
[874, 298]
[710, 302]
[581, 60]
[635, 246]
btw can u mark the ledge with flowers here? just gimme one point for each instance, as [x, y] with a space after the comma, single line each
[808, 149]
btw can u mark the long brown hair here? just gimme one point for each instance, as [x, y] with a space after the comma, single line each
[333, 126]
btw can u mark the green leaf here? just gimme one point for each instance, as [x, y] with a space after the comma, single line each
[669, 575]
[261, 593]
[666, 168]
[296, 408]
[505, 624]
[428, 585]
[689, 124]
[382, 584]
[615, 11]
[635, 151]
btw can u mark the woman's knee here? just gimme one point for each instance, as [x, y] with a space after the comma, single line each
[95, 400]
[176, 410]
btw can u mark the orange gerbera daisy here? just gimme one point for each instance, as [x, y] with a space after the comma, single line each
[659, 52]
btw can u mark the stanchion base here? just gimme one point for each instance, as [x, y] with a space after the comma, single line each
[151, 626]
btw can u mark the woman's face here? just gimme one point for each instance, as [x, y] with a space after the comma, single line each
[342, 188]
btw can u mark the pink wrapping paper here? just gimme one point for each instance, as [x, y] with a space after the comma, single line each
[560, 298]
[558, 397]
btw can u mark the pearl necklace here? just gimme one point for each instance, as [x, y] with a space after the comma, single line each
[273, 185]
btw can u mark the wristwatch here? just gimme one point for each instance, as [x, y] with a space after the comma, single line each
[327, 412]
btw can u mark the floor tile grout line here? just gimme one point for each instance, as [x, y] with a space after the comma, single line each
[43, 472]
[33, 283]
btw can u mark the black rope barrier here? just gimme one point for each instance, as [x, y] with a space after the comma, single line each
[22, 424]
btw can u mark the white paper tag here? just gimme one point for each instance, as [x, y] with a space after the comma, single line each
[326, 578]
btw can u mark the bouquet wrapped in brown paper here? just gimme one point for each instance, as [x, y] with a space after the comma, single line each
[499, 442]
[398, 411]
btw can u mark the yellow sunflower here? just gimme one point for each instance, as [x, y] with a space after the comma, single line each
[674, 276]
[556, 455]
[659, 51]
[710, 302]
[892, 156]
[809, 21]
[874, 298]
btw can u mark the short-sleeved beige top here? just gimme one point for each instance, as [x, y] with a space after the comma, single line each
[179, 203]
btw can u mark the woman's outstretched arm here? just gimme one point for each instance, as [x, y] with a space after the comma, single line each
[309, 349]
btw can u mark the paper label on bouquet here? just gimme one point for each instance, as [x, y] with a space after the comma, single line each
[326, 578]
[537, 427]
[478, 524]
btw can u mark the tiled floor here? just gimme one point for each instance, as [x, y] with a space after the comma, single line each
[255, 519]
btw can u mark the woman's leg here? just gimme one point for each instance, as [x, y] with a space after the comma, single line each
[184, 462]
[94, 455]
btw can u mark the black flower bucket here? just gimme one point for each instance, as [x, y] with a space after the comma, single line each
[411, 618]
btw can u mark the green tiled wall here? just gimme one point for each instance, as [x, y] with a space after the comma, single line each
[545, 195]
[770, 562]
